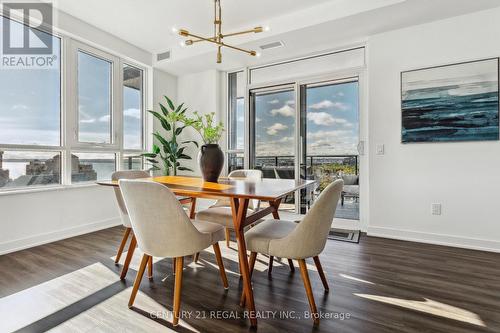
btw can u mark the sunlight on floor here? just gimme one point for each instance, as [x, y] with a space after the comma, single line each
[113, 315]
[30, 305]
[349, 277]
[431, 307]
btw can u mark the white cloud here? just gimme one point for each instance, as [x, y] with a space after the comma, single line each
[105, 118]
[285, 111]
[88, 121]
[16, 107]
[286, 139]
[320, 118]
[290, 102]
[326, 104]
[133, 113]
[274, 101]
[325, 119]
[274, 129]
[258, 120]
[340, 94]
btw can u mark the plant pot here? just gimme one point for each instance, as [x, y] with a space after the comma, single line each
[211, 161]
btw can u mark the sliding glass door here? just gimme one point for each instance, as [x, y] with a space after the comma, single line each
[273, 140]
[329, 129]
[318, 141]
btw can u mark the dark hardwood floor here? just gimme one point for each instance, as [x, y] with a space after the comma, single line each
[378, 285]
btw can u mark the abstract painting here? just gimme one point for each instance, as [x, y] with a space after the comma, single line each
[456, 102]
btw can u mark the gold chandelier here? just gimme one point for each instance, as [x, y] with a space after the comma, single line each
[218, 36]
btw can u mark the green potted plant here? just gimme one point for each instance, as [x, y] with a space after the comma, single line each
[168, 151]
[210, 157]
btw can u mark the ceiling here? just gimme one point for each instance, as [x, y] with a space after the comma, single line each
[304, 26]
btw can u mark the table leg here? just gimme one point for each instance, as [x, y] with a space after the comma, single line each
[239, 210]
[276, 205]
[192, 215]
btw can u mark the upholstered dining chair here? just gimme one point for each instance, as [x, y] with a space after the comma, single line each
[128, 174]
[163, 229]
[299, 241]
[221, 212]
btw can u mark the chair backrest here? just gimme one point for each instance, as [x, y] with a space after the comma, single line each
[350, 179]
[248, 174]
[160, 224]
[308, 239]
[128, 174]
[243, 173]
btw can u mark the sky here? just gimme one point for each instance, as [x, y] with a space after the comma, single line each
[332, 121]
[30, 112]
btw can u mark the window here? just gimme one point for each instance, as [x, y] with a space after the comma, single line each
[30, 100]
[86, 167]
[29, 168]
[104, 116]
[236, 121]
[94, 98]
[132, 162]
[132, 108]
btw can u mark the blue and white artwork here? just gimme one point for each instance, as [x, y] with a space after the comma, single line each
[451, 103]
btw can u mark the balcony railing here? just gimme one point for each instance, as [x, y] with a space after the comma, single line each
[348, 163]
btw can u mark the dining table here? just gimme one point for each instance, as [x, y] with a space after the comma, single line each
[239, 191]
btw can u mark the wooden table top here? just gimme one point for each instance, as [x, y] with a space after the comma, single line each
[264, 189]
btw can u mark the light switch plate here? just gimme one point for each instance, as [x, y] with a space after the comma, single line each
[380, 150]
[436, 209]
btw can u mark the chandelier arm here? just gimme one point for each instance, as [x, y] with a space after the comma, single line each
[250, 52]
[204, 39]
[240, 33]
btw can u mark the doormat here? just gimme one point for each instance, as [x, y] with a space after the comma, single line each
[344, 235]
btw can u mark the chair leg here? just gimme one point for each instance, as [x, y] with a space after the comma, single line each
[222, 270]
[173, 263]
[150, 267]
[179, 264]
[270, 266]
[253, 258]
[122, 244]
[321, 273]
[196, 256]
[307, 285]
[228, 237]
[138, 278]
[128, 259]
[292, 267]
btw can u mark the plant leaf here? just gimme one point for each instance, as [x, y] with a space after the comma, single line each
[152, 155]
[179, 130]
[179, 108]
[163, 109]
[191, 141]
[156, 149]
[170, 103]
[181, 168]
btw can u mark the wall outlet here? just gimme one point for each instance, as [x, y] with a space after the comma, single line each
[436, 209]
[380, 149]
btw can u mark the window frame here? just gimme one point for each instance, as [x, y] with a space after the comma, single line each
[68, 122]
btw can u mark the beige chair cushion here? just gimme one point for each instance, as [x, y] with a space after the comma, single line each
[216, 231]
[260, 237]
[307, 239]
[126, 174]
[160, 224]
[220, 215]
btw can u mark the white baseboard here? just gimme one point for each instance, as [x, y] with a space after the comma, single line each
[437, 239]
[24, 243]
[348, 224]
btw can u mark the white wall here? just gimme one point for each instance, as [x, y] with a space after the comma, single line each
[200, 92]
[463, 177]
